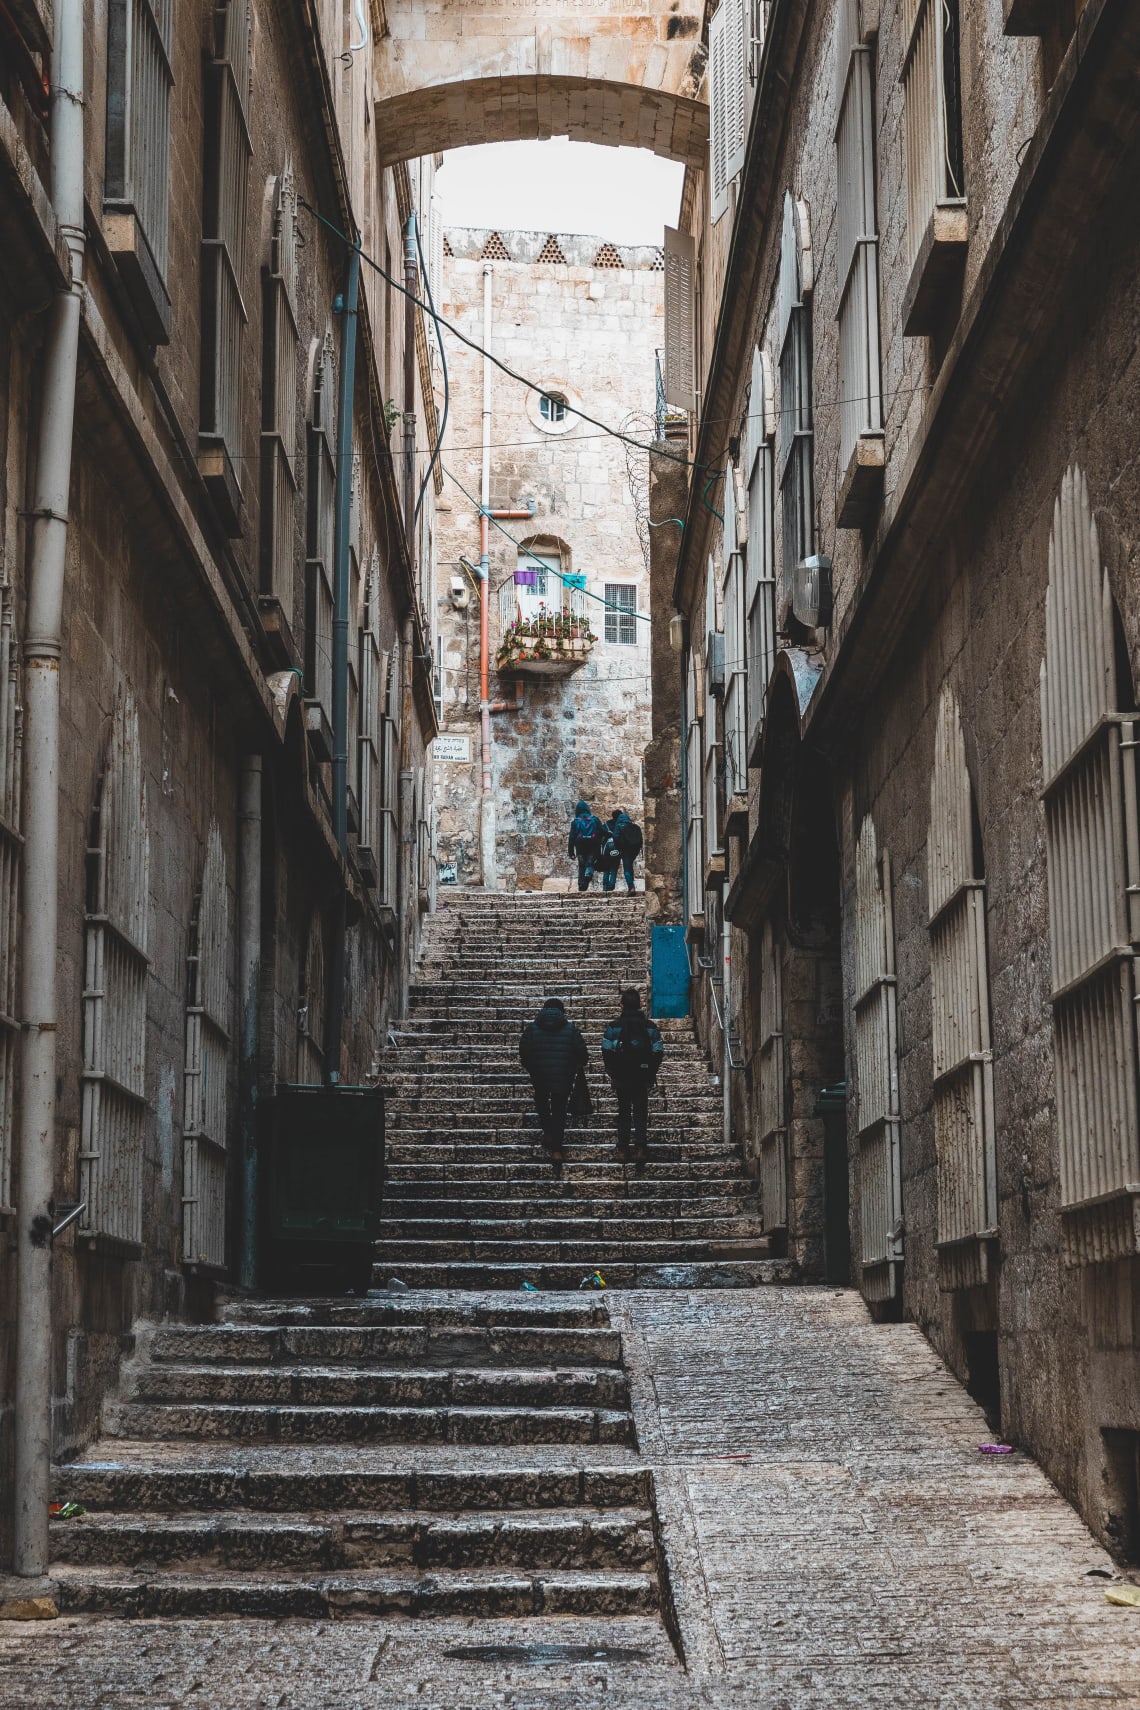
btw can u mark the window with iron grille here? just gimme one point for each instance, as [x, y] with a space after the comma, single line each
[796, 431]
[960, 1006]
[11, 746]
[694, 790]
[773, 1170]
[205, 1122]
[621, 613]
[228, 154]
[115, 981]
[878, 1119]
[320, 517]
[1089, 730]
[372, 691]
[760, 560]
[279, 399]
[388, 883]
[311, 1003]
[860, 401]
[735, 662]
[137, 167]
[932, 91]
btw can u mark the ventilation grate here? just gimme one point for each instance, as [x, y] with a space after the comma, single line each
[495, 249]
[552, 250]
[657, 265]
[608, 256]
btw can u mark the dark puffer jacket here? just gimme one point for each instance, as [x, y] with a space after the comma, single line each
[551, 1048]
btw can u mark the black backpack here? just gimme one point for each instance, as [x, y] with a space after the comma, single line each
[629, 840]
[634, 1049]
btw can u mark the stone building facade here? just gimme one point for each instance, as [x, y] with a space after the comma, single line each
[225, 147]
[918, 624]
[582, 320]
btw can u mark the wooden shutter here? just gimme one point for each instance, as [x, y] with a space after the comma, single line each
[680, 317]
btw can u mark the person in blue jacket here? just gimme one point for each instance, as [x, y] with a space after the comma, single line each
[621, 845]
[585, 844]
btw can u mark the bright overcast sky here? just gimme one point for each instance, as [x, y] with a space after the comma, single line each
[624, 194]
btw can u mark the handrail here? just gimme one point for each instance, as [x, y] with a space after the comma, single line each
[726, 1032]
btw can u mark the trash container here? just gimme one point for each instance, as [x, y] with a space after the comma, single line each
[322, 1175]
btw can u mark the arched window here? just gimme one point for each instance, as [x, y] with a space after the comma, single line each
[772, 1121]
[115, 990]
[552, 407]
[320, 506]
[797, 494]
[207, 1065]
[311, 1008]
[11, 745]
[877, 1070]
[228, 152]
[761, 548]
[279, 397]
[1092, 849]
[960, 1006]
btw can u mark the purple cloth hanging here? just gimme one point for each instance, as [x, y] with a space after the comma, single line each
[526, 578]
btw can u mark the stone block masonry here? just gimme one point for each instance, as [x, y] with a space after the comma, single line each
[588, 333]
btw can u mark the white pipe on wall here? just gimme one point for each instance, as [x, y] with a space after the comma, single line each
[38, 928]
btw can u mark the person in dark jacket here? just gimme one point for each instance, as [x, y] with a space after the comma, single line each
[586, 833]
[632, 1054]
[552, 1051]
[621, 844]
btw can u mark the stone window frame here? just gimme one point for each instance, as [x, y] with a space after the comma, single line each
[797, 428]
[206, 1078]
[620, 625]
[1092, 857]
[961, 1044]
[136, 188]
[553, 387]
[877, 1105]
[115, 992]
[862, 454]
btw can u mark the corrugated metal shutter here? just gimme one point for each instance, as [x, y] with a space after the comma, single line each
[680, 316]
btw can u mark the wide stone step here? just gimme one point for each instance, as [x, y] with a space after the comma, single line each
[672, 1173]
[415, 1345]
[475, 1592]
[408, 1203]
[397, 1387]
[721, 1273]
[277, 1484]
[443, 1308]
[299, 1424]
[513, 1148]
[396, 1249]
[614, 1225]
[576, 1538]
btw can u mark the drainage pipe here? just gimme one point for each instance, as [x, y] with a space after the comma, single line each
[410, 388]
[249, 995]
[38, 925]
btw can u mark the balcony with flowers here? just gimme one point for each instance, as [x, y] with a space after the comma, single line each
[545, 643]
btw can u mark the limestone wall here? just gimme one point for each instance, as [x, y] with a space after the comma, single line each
[589, 333]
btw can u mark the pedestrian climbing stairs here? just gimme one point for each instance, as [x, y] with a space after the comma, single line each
[470, 1200]
[407, 1455]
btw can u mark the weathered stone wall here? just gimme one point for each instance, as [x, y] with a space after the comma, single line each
[588, 332]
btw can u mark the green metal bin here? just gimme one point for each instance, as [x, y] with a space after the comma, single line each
[322, 1177]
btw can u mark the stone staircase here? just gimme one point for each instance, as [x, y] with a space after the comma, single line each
[470, 1200]
[414, 1455]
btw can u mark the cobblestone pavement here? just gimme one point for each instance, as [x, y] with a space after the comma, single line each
[863, 1553]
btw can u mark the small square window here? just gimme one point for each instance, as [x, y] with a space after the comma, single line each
[621, 613]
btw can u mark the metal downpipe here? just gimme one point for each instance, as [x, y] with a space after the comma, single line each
[486, 798]
[249, 998]
[40, 875]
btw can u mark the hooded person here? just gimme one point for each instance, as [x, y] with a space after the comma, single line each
[621, 845]
[585, 842]
[552, 1051]
[632, 1054]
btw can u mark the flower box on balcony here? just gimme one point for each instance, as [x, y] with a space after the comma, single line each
[545, 647]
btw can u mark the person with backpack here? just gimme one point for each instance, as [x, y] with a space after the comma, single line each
[632, 1054]
[552, 1051]
[585, 845]
[621, 845]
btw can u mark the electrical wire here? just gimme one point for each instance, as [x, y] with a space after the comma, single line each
[567, 581]
[441, 428]
[472, 344]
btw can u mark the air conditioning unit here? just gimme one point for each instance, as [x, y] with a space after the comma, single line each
[714, 662]
[811, 592]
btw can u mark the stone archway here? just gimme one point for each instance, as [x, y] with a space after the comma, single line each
[608, 71]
